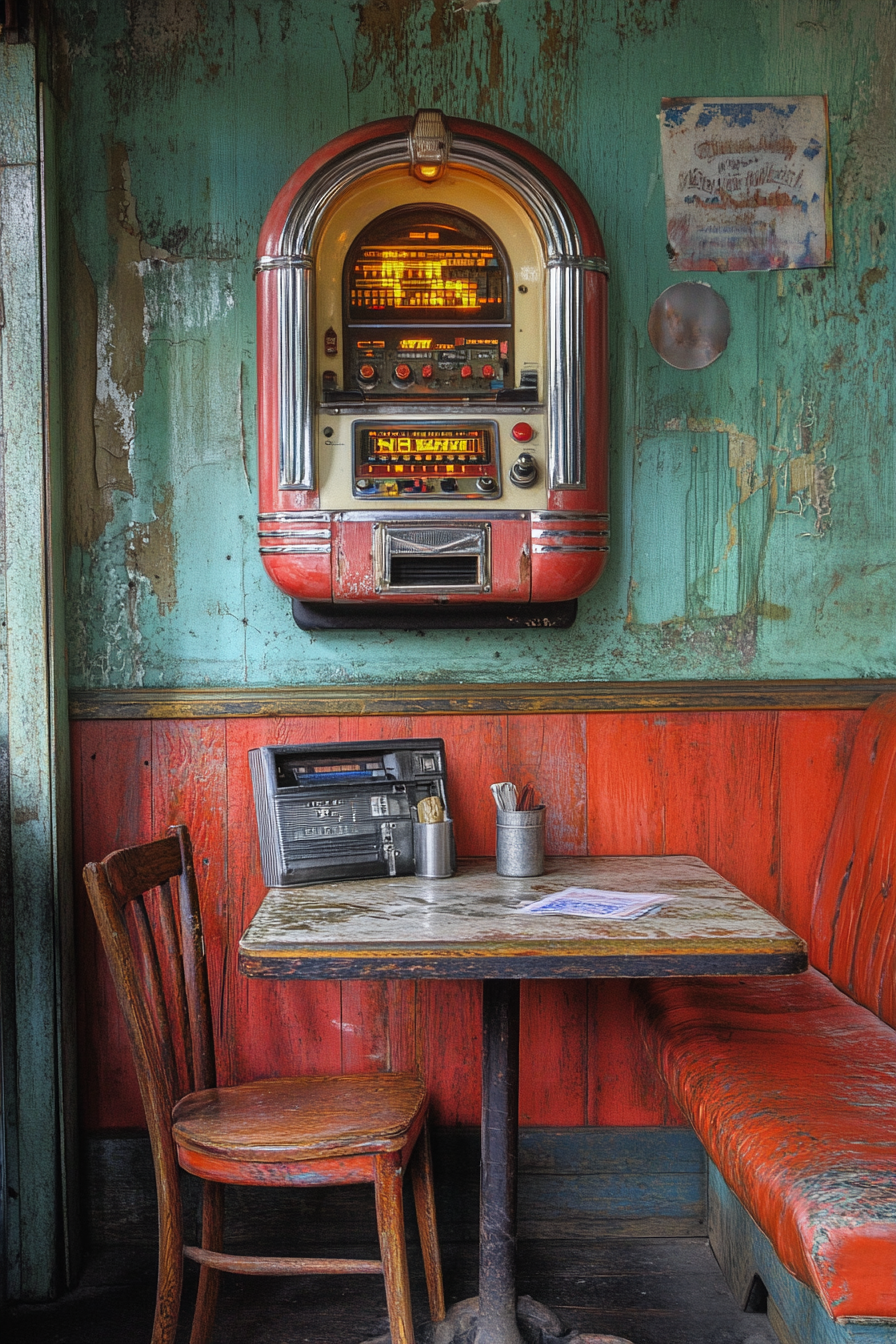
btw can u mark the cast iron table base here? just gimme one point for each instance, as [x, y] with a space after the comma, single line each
[497, 1316]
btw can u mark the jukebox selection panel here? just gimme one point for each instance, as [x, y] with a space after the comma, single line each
[428, 365]
[429, 458]
[427, 309]
[453, 460]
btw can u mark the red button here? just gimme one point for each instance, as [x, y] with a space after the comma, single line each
[426, 371]
[367, 371]
[467, 371]
[522, 432]
[403, 371]
[488, 371]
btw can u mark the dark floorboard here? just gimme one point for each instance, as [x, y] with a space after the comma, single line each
[652, 1291]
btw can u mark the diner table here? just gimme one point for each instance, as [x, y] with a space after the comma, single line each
[473, 926]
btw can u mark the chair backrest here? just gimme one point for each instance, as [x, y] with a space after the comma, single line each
[853, 935]
[147, 908]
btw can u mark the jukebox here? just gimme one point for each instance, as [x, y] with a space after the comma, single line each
[432, 381]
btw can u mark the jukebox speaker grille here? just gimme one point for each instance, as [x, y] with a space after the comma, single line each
[426, 571]
[437, 559]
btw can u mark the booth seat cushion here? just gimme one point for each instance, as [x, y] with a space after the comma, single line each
[791, 1088]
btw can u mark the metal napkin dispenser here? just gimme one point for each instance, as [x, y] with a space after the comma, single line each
[340, 810]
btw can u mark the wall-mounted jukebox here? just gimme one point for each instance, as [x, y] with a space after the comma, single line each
[432, 375]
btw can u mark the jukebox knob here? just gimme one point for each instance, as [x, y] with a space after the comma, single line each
[524, 472]
[367, 376]
[488, 371]
[467, 371]
[402, 375]
[427, 371]
[486, 485]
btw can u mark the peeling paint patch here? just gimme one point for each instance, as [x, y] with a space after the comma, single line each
[122, 329]
[644, 18]
[810, 475]
[150, 553]
[872, 145]
[812, 483]
[773, 611]
[386, 30]
[560, 27]
[873, 276]
[121, 344]
[161, 36]
[88, 504]
[742, 450]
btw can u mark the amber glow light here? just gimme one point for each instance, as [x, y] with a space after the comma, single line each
[421, 277]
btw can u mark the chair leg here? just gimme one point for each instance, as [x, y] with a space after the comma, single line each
[425, 1204]
[390, 1225]
[209, 1279]
[171, 1253]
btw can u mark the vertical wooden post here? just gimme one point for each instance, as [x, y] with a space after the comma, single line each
[38, 1017]
[498, 1174]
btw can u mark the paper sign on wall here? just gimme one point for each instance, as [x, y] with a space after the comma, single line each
[747, 183]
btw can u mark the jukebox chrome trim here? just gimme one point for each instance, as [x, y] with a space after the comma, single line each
[301, 263]
[566, 265]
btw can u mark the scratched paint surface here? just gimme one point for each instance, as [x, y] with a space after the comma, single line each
[792, 1090]
[753, 501]
[476, 912]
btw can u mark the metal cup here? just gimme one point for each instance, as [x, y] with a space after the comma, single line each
[434, 852]
[520, 847]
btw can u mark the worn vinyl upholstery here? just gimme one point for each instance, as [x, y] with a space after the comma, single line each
[790, 1082]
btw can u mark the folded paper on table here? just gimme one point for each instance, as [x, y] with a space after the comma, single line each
[598, 904]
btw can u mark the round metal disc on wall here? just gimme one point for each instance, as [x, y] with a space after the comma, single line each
[689, 325]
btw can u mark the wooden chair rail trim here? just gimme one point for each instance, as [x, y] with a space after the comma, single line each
[287, 1264]
[559, 697]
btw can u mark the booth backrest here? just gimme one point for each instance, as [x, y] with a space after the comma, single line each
[853, 936]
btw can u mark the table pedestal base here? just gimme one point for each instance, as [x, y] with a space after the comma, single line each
[535, 1323]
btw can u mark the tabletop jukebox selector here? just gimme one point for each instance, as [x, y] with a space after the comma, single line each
[432, 365]
[342, 809]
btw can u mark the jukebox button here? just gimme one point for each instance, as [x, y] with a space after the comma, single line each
[448, 487]
[427, 371]
[488, 371]
[466, 371]
[403, 374]
[367, 374]
[486, 485]
[522, 432]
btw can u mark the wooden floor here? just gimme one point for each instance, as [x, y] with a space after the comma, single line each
[651, 1291]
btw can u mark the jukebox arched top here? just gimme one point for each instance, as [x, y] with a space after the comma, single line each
[432, 334]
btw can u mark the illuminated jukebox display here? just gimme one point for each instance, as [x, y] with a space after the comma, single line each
[432, 365]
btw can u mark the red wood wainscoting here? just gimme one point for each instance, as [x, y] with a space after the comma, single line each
[750, 792]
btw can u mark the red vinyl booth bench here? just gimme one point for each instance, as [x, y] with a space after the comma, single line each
[790, 1084]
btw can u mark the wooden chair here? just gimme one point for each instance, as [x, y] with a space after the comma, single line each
[279, 1131]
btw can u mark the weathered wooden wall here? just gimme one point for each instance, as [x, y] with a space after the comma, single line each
[751, 793]
[753, 502]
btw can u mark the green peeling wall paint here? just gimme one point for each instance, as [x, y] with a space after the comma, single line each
[753, 502]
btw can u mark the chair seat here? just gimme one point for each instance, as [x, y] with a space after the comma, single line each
[791, 1088]
[301, 1119]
